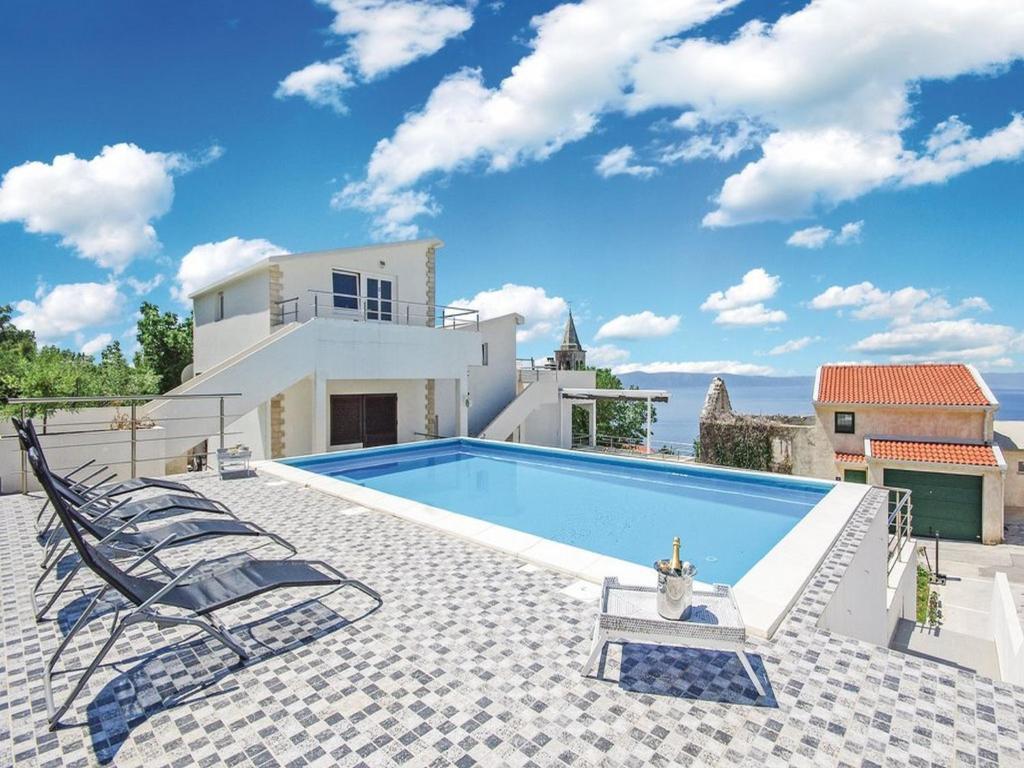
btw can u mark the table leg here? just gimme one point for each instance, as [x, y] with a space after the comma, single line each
[596, 646]
[750, 672]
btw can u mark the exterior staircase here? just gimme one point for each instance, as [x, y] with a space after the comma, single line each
[536, 394]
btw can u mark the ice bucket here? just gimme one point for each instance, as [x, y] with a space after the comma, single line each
[675, 595]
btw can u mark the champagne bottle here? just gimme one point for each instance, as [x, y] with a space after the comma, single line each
[675, 566]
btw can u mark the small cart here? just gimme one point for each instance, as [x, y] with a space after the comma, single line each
[233, 462]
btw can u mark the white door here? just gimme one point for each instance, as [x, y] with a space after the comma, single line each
[380, 295]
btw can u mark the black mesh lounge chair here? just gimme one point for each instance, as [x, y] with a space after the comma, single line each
[194, 596]
[125, 540]
[27, 433]
[102, 495]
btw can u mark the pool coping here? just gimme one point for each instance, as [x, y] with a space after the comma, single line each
[764, 594]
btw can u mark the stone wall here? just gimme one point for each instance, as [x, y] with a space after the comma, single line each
[774, 443]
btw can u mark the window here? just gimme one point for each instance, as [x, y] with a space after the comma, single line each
[484, 358]
[218, 312]
[1020, 467]
[844, 423]
[345, 286]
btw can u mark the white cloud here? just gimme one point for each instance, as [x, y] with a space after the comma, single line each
[381, 36]
[812, 237]
[606, 355]
[643, 325]
[619, 162]
[96, 344]
[743, 304]
[757, 285]
[142, 287]
[540, 311]
[901, 306]
[698, 366]
[718, 143]
[68, 309]
[836, 296]
[751, 314]
[102, 207]
[850, 232]
[963, 339]
[831, 86]
[207, 263]
[321, 83]
[576, 70]
[817, 236]
[793, 345]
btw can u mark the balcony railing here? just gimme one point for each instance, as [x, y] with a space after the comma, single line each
[900, 524]
[660, 449]
[349, 306]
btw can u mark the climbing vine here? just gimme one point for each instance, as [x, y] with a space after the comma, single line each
[742, 441]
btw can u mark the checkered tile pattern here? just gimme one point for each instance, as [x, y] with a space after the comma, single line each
[474, 658]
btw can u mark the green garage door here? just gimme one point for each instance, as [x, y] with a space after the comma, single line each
[949, 504]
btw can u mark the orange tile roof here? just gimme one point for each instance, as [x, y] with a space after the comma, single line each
[850, 458]
[922, 384]
[935, 453]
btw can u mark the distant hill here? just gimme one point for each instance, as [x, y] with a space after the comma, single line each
[680, 380]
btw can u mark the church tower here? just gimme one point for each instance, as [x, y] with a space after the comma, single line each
[571, 356]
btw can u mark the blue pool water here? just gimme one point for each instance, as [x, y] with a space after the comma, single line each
[629, 509]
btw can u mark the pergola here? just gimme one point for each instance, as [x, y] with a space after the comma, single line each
[587, 398]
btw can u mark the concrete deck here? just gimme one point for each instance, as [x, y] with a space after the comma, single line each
[474, 658]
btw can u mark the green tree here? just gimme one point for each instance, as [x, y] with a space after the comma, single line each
[55, 372]
[114, 376]
[17, 347]
[617, 418]
[166, 344]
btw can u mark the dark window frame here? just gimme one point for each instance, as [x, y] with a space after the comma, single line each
[485, 354]
[852, 430]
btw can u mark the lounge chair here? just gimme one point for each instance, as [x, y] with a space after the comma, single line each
[29, 438]
[103, 494]
[196, 596]
[126, 540]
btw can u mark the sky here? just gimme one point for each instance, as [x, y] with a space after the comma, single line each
[711, 185]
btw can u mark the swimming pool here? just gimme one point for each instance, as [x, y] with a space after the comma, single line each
[623, 508]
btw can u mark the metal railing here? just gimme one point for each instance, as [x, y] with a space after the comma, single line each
[376, 309]
[285, 311]
[131, 423]
[532, 364]
[660, 449]
[900, 519]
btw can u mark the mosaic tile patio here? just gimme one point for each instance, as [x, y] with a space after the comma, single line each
[472, 660]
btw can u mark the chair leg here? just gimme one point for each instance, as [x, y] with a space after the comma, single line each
[42, 511]
[56, 714]
[596, 646]
[45, 532]
[750, 672]
[48, 670]
[33, 595]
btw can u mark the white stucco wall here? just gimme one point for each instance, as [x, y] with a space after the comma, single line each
[404, 263]
[493, 386]
[858, 605]
[246, 319]
[298, 418]
[1007, 632]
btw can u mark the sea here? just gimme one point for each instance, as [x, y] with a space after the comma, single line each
[677, 420]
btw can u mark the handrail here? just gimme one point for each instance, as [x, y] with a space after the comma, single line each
[112, 398]
[900, 524]
[377, 305]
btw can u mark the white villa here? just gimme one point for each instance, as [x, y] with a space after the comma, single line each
[349, 348]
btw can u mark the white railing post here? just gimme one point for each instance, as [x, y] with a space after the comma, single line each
[221, 422]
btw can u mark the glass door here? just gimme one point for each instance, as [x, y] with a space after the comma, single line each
[379, 299]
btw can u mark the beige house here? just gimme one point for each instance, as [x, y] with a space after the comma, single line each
[926, 427]
[1009, 436]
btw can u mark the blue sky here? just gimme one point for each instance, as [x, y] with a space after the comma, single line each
[711, 184]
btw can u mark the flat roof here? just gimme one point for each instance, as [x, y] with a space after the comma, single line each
[266, 260]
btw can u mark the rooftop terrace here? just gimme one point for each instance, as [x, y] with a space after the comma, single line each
[473, 658]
